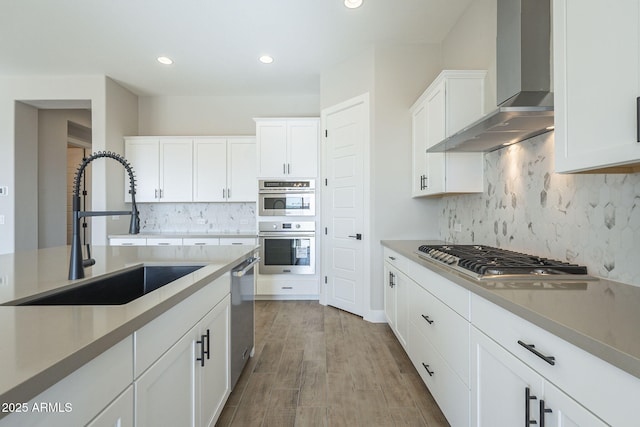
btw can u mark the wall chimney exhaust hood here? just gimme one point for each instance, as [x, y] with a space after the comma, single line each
[523, 74]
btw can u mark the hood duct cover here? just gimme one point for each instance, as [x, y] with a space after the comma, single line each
[523, 74]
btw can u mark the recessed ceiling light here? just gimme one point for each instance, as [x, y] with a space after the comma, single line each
[352, 4]
[266, 59]
[165, 60]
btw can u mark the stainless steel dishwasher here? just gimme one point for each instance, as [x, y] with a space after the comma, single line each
[242, 327]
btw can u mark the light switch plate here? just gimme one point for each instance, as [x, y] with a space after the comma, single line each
[1, 219]
[4, 190]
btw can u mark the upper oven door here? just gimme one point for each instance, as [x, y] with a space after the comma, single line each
[287, 204]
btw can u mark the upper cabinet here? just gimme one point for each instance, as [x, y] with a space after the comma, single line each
[162, 167]
[596, 124]
[192, 169]
[224, 170]
[287, 148]
[454, 100]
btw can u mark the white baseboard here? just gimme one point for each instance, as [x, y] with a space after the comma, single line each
[286, 297]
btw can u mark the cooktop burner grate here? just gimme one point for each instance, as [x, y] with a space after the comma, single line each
[486, 261]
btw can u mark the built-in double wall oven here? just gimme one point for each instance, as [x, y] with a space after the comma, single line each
[287, 226]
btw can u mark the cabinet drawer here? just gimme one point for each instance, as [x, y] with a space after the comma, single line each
[396, 260]
[454, 296]
[237, 241]
[452, 395]
[153, 339]
[607, 391]
[164, 241]
[446, 329]
[278, 287]
[204, 241]
[133, 241]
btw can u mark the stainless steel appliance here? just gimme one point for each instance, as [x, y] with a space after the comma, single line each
[287, 198]
[242, 329]
[488, 263]
[287, 247]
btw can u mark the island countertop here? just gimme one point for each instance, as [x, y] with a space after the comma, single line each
[43, 344]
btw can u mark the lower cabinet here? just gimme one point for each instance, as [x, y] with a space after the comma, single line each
[118, 414]
[189, 384]
[395, 296]
[507, 392]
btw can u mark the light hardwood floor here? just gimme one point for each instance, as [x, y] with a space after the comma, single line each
[320, 366]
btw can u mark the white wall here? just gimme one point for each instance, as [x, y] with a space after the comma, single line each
[26, 153]
[121, 120]
[394, 77]
[52, 174]
[471, 45]
[218, 115]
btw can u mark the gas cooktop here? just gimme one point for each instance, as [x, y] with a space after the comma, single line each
[489, 263]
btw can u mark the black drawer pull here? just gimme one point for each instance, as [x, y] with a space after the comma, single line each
[527, 411]
[429, 321]
[427, 368]
[543, 410]
[532, 348]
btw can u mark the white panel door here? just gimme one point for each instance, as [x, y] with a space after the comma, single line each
[209, 169]
[343, 213]
[176, 170]
[242, 181]
[563, 411]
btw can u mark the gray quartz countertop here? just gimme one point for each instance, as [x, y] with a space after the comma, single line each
[43, 344]
[602, 317]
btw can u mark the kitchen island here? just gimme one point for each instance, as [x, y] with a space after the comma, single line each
[482, 346]
[41, 345]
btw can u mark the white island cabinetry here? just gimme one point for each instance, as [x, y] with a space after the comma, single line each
[596, 125]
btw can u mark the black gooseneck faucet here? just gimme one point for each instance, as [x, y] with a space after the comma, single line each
[76, 263]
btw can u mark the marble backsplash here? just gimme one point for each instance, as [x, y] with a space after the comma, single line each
[197, 217]
[588, 219]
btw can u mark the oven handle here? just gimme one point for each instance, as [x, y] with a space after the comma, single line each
[286, 234]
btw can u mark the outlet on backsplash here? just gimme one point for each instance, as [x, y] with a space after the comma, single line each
[457, 227]
[201, 221]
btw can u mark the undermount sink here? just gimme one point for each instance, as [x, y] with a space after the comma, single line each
[114, 289]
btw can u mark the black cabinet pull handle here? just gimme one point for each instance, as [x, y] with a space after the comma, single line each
[527, 411]
[543, 411]
[532, 348]
[638, 118]
[429, 321]
[392, 258]
[208, 337]
[427, 368]
[202, 352]
[391, 280]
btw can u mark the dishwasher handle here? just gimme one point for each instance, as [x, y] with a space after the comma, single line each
[241, 272]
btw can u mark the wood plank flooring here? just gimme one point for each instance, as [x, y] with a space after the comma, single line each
[320, 366]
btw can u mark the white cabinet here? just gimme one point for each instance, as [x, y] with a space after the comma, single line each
[127, 241]
[505, 391]
[118, 414]
[237, 241]
[454, 100]
[596, 124]
[214, 371]
[164, 241]
[287, 148]
[165, 394]
[224, 170]
[396, 297]
[163, 169]
[190, 383]
[200, 241]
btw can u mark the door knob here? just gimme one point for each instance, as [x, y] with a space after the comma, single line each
[358, 236]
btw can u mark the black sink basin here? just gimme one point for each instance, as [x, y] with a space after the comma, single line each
[116, 289]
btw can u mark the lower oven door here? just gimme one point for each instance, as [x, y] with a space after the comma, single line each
[287, 253]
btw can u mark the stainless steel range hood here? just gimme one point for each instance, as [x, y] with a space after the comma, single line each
[523, 74]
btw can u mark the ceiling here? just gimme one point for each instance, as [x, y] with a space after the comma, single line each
[215, 43]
